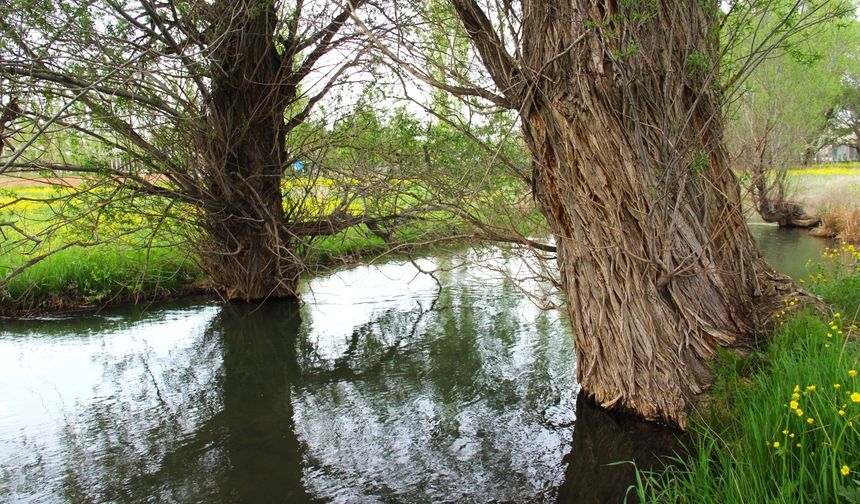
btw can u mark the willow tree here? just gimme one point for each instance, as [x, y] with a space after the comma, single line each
[200, 103]
[769, 130]
[620, 105]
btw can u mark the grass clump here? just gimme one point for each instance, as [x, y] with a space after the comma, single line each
[782, 425]
[109, 273]
[842, 223]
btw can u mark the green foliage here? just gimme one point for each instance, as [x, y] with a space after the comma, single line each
[844, 121]
[781, 114]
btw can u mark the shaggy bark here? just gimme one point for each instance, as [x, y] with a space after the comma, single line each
[249, 253]
[621, 112]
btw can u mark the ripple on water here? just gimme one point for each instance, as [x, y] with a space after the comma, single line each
[380, 388]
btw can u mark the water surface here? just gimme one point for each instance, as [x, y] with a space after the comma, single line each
[380, 387]
[789, 250]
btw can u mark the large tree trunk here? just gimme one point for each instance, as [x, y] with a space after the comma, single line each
[655, 257]
[249, 253]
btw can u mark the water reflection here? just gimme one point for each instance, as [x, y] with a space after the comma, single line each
[788, 250]
[380, 388]
[467, 395]
[605, 444]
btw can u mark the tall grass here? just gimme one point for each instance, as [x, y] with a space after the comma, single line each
[123, 257]
[782, 425]
[82, 276]
[823, 189]
[840, 222]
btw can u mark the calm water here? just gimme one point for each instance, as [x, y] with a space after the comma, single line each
[381, 387]
[791, 251]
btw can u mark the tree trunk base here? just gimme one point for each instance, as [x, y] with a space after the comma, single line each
[787, 214]
[255, 274]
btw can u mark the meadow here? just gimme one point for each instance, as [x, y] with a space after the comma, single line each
[826, 186]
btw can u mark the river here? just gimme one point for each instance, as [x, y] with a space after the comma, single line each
[384, 385]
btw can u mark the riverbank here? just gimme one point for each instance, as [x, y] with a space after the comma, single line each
[140, 257]
[783, 424]
[87, 279]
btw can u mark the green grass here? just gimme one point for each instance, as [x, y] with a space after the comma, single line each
[125, 260]
[359, 241]
[137, 262]
[102, 273]
[752, 444]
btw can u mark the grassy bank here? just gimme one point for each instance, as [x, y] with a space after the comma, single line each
[127, 255]
[824, 186]
[77, 258]
[782, 426]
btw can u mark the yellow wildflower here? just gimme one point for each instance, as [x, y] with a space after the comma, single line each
[852, 372]
[810, 420]
[795, 396]
[791, 435]
[837, 385]
[841, 412]
[785, 432]
[776, 444]
[845, 470]
[855, 397]
[810, 388]
[799, 412]
[793, 405]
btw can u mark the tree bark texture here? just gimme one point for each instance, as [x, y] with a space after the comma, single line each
[249, 252]
[622, 114]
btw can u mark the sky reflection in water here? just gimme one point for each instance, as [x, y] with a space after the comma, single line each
[380, 388]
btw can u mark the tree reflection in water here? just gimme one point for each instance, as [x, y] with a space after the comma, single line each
[605, 446]
[468, 397]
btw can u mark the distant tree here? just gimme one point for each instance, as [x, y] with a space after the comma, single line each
[780, 116]
[845, 116]
[206, 105]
